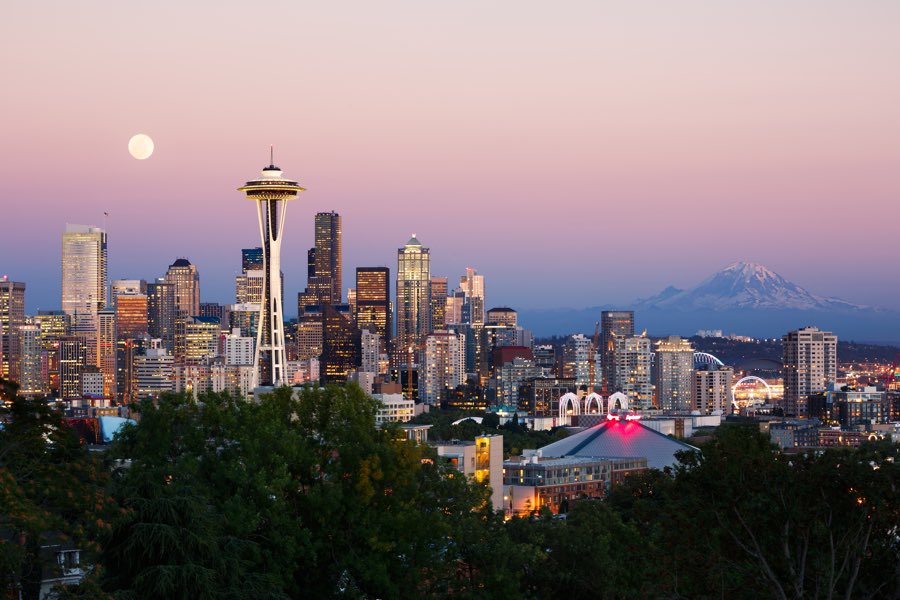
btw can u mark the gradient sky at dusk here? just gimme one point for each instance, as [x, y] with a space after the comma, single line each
[576, 153]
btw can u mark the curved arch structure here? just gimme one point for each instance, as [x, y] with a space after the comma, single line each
[749, 378]
[593, 400]
[617, 398]
[476, 419]
[705, 358]
[568, 401]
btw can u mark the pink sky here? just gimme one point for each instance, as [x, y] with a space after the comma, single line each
[575, 153]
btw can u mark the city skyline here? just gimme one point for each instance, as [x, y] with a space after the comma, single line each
[742, 133]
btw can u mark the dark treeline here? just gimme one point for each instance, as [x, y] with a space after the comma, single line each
[304, 498]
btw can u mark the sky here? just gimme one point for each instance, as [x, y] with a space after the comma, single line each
[576, 154]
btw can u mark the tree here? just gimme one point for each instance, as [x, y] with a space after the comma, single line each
[51, 489]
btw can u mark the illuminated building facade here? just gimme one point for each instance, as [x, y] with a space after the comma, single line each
[438, 303]
[472, 285]
[71, 362]
[106, 351]
[613, 323]
[185, 280]
[201, 335]
[712, 389]
[443, 365]
[810, 364]
[340, 344]
[326, 285]
[161, 313]
[632, 358]
[154, 372]
[12, 317]
[503, 316]
[373, 301]
[271, 194]
[674, 369]
[31, 381]
[84, 282]
[413, 295]
[309, 339]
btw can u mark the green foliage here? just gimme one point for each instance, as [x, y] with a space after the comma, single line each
[293, 496]
[51, 490]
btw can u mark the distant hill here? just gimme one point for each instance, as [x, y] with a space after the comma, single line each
[744, 298]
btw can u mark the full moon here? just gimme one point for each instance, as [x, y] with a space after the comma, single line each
[140, 146]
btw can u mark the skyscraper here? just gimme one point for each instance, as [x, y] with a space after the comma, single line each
[84, 290]
[443, 365]
[12, 317]
[438, 303]
[340, 344]
[472, 285]
[251, 259]
[161, 313]
[327, 284]
[810, 364]
[613, 323]
[186, 281]
[413, 295]
[271, 193]
[373, 301]
[674, 368]
[712, 389]
[106, 351]
[631, 359]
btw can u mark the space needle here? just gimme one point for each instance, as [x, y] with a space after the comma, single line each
[271, 193]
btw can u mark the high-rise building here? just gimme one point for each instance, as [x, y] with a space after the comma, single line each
[271, 193]
[201, 335]
[84, 289]
[576, 358]
[131, 324]
[248, 287]
[186, 281]
[613, 323]
[252, 259]
[244, 317]
[674, 367]
[84, 283]
[31, 381]
[631, 360]
[712, 389]
[438, 303]
[373, 302]
[340, 344]
[309, 339]
[12, 317]
[126, 286]
[503, 316]
[216, 310]
[810, 364]
[443, 365]
[54, 326]
[238, 348]
[413, 295]
[161, 313]
[106, 344]
[472, 285]
[326, 285]
[71, 362]
[154, 371]
[370, 351]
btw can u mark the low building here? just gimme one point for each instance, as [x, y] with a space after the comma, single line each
[395, 408]
[480, 460]
[531, 483]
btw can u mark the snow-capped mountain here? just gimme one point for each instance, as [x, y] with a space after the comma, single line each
[743, 285]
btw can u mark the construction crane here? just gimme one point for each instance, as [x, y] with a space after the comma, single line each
[592, 357]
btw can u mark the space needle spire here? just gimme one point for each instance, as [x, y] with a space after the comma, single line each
[271, 192]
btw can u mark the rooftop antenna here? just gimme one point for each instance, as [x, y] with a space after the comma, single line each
[272, 155]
